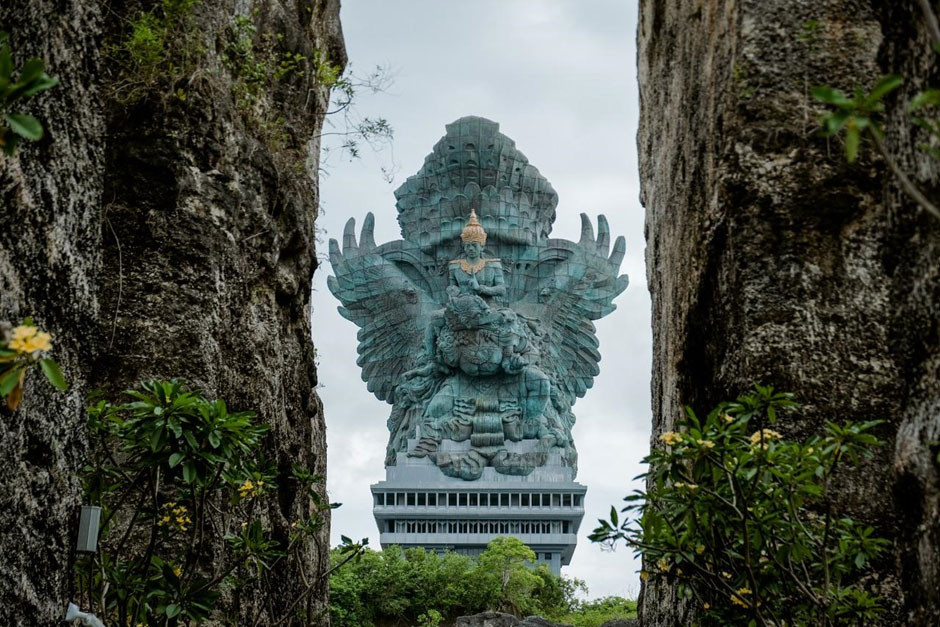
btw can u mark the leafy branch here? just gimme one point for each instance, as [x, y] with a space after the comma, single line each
[28, 81]
[859, 117]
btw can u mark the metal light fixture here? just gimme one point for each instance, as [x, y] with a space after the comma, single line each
[88, 529]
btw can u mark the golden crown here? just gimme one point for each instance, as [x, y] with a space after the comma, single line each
[473, 231]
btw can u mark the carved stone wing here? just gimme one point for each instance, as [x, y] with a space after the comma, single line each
[578, 283]
[388, 306]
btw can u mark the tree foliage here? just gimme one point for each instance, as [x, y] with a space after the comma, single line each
[418, 587]
[747, 524]
[184, 490]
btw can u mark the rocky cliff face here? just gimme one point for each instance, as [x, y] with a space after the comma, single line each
[164, 227]
[770, 259]
[50, 243]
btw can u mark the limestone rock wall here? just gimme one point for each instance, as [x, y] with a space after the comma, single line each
[771, 259]
[163, 237]
[50, 243]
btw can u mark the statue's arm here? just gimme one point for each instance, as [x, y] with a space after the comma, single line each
[499, 286]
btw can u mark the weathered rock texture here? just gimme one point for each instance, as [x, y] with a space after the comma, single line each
[50, 241]
[770, 259]
[162, 238]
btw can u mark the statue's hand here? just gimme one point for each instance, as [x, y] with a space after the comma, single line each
[421, 371]
[475, 285]
[514, 364]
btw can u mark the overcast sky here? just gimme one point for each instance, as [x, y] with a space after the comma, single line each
[559, 76]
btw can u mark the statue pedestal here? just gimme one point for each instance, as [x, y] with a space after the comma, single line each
[417, 505]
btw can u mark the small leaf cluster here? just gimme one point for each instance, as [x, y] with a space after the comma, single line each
[376, 132]
[156, 48]
[21, 350]
[183, 485]
[15, 87]
[855, 115]
[928, 101]
[744, 523]
[431, 618]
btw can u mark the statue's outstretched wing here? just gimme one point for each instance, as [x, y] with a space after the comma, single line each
[387, 305]
[577, 284]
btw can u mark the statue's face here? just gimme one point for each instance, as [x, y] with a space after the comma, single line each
[472, 250]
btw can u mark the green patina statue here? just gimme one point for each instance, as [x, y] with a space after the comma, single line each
[477, 326]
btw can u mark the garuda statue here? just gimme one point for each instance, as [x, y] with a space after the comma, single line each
[477, 326]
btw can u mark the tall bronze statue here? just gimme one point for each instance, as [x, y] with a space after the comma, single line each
[477, 326]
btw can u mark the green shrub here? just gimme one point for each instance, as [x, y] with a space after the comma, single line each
[744, 522]
[402, 585]
[183, 488]
[597, 612]
[155, 49]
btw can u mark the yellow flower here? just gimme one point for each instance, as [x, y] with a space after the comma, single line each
[706, 444]
[679, 571]
[24, 332]
[644, 575]
[663, 565]
[250, 488]
[30, 340]
[177, 571]
[727, 417]
[706, 605]
[736, 598]
[700, 549]
[766, 434]
[671, 438]
[726, 574]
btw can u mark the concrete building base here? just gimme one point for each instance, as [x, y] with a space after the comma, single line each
[418, 506]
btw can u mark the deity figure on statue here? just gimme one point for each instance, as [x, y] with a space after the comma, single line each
[474, 274]
[481, 355]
